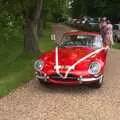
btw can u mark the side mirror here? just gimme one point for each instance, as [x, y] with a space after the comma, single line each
[53, 37]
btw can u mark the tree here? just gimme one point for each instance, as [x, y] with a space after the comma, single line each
[96, 8]
[31, 13]
[78, 8]
[55, 9]
[32, 25]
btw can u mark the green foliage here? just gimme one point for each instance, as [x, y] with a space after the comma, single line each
[46, 43]
[55, 9]
[29, 11]
[15, 71]
[116, 46]
[78, 8]
[16, 67]
[107, 8]
[17, 7]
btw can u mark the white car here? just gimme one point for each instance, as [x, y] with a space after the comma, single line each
[116, 32]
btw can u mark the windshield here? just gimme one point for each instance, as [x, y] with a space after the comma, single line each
[82, 40]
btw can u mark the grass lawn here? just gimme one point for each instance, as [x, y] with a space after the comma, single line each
[116, 46]
[16, 67]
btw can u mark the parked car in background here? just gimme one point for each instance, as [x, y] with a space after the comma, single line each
[85, 23]
[77, 23]
[116, 32]
[68, 21]
[91, 25]
[74, 22]
[79, 59]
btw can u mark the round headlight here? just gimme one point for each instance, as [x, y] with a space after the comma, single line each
[94, 68]
[38, 65]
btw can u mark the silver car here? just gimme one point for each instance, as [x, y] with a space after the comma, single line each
[116, 32]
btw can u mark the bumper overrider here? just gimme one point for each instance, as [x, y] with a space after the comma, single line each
[71, 79]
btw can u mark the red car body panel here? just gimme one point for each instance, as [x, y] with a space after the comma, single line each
[67, 57]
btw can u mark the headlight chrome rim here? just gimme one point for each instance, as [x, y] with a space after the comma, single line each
[38, 65]
[92, 70]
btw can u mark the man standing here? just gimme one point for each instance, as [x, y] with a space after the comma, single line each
[102, 26]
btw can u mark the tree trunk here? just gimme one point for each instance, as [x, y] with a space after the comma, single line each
[40, 26]
[30, 38]
[31, 22]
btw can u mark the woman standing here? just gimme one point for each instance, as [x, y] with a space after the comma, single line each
[106, 32]
[108, 39]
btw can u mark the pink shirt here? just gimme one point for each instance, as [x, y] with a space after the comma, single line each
[102, 24]
[109, 32]
[109, 28]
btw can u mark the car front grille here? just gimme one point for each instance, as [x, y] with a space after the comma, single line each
[58, 77]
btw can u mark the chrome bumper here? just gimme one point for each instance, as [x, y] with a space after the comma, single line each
[91, 79]
[42, 77]
[45, 78]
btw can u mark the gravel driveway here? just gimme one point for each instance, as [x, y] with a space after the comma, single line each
[38, 102]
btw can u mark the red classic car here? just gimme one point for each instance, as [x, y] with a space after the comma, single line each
[79, 59]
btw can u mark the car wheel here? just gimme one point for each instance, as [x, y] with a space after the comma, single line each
[97, 84]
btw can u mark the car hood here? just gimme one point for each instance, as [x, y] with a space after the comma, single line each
[66, 55]
[69, 55]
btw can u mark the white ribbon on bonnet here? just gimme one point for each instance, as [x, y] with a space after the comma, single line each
[77, 62]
